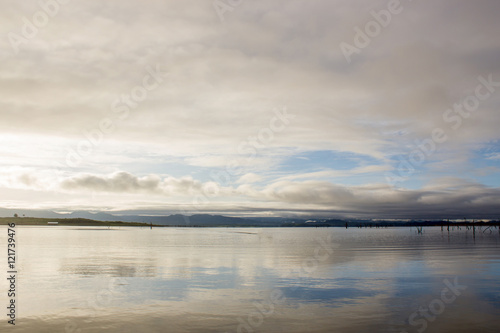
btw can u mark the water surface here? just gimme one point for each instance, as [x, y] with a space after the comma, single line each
[90, 279]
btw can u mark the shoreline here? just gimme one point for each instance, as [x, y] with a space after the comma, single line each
[382, 224]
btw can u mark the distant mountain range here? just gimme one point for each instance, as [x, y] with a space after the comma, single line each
[171, 220]
[206, 220]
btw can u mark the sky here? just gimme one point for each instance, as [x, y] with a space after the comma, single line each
[352, 109]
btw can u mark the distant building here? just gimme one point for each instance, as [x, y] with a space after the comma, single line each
[52, 223]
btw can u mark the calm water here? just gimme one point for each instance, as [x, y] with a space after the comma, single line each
[254, 280]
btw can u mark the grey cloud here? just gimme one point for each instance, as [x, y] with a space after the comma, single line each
[126, 183]
[448, 198]
[224, 76]
[118, 182]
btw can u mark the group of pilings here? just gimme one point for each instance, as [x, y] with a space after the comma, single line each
[473, 228]
[468, 226]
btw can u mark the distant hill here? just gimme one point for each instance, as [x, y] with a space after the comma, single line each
[176, 219]
[65, 222]
[170, 220]
[6, 212]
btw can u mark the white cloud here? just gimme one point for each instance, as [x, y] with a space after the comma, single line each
[493, 156]
[249, 178]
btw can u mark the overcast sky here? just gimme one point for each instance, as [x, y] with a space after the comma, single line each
[342, 108]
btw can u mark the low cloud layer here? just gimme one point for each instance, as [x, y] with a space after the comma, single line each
[446, 198]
